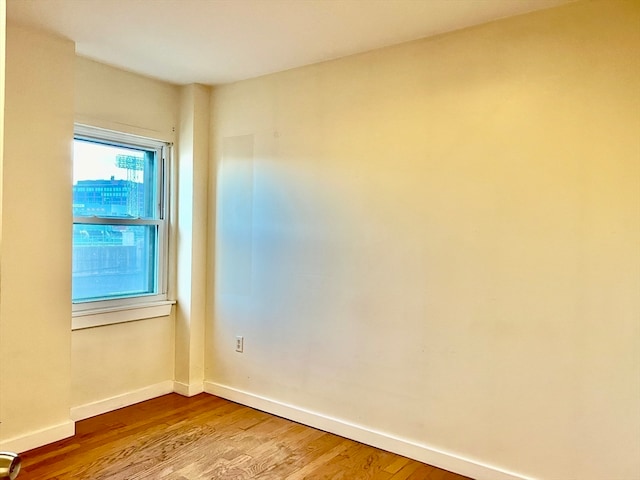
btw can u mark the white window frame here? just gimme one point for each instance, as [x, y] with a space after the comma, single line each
[88, 314]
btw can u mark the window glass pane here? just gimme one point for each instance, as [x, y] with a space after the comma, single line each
[111, 261]
[113, 181]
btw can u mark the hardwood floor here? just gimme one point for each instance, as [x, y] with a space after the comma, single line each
[206, 437]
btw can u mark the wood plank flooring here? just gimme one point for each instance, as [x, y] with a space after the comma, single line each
[206, 437]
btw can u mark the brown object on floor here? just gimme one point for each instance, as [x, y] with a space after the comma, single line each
[206, 437]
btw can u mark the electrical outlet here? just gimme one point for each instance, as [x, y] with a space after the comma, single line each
[239, 344]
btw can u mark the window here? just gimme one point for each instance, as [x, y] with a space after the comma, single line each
[120, 225]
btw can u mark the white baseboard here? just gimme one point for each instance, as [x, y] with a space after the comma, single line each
[188, 390]
[39, 438]
[385, 441]
[113, 403]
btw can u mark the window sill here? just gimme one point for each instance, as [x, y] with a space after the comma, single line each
[126, 313]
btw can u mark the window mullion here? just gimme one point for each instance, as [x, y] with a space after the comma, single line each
[115, 221]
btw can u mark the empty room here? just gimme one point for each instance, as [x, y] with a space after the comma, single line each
[320, 239]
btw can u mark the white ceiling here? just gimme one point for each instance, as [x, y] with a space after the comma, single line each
[221, 41]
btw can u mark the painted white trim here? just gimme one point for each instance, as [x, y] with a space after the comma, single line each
[360, 433]
[89, 121]
[188, 390]
[120, 314]
[39, 438]
[113, 403]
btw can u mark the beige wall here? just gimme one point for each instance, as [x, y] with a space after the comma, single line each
[120, 359]
[190, 222]
[3, 35]
[111, 98]
[96, 368]
[116, 360]
[440, 241]
[35, 309]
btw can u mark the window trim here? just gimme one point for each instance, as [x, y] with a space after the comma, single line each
[93, 313]
[124, 313]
